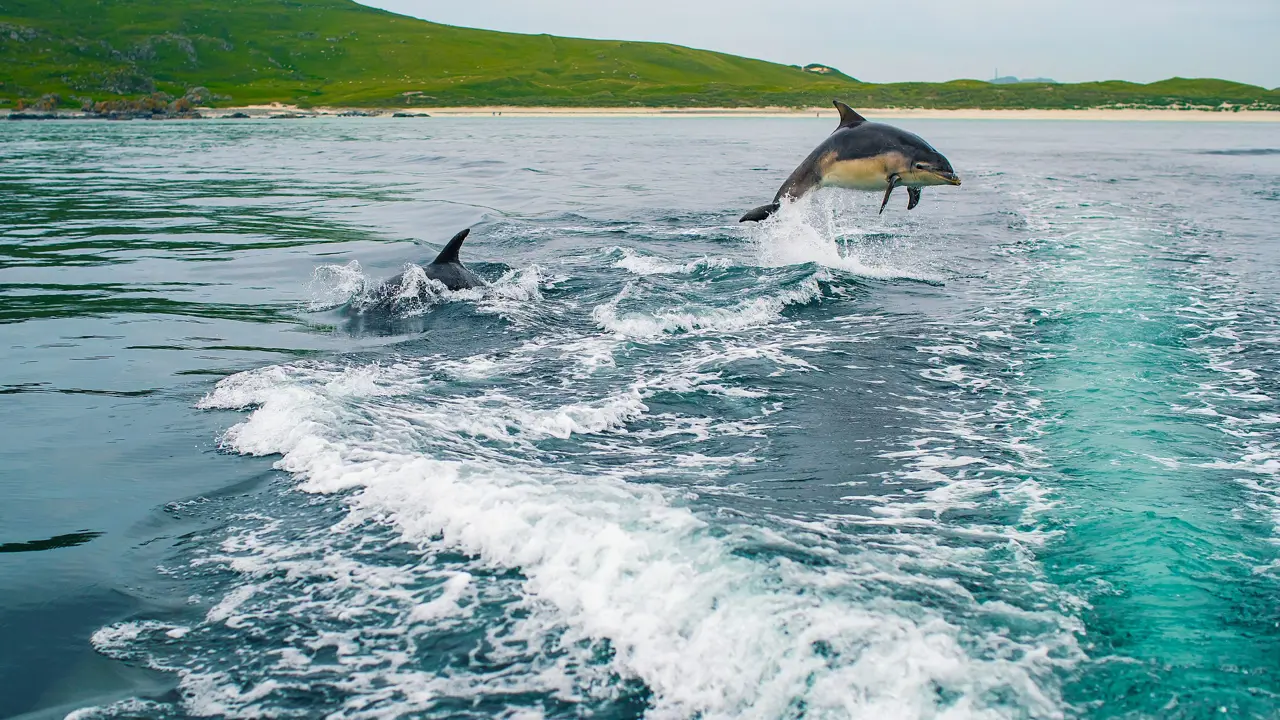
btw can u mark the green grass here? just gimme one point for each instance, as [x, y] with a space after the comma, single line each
[336, 52]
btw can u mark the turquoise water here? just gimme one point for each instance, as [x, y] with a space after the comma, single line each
[1012, 455]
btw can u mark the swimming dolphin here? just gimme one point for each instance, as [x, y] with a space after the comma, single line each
[863, 155]
[446, 268]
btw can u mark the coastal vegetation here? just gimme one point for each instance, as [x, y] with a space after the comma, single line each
[75, 54]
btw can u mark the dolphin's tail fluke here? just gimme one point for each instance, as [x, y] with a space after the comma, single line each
[761, 212]
[450, 252]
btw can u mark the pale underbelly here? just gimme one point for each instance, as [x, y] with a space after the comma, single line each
[868, 184]
[866, 174]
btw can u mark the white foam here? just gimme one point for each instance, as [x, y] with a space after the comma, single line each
[332, 286]
[129, 708]
[635, 262]
[710, 632]
[807, 231]
[119, 637]
[521, 285]
[345, 641]
[745, 314]
[417, 289]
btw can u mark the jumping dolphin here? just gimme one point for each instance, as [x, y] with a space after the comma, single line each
[863, 155]
[446, 269]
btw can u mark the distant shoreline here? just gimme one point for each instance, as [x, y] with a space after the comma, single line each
[919, 113]
[280, 111]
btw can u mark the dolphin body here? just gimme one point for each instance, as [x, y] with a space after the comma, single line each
[446, 269]
[864, 155]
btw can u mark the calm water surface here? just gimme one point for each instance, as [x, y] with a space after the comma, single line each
[1015, 454]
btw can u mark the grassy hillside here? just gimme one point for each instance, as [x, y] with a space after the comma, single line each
[336, 52]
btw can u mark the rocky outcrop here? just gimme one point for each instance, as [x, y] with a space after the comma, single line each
[148, 48]
[46, 103]
[198, 96]
[157, 105]
[17, 33]
[125, 82]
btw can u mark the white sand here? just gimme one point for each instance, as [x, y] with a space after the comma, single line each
[1093, 114]
[775, 112]
[781, 112]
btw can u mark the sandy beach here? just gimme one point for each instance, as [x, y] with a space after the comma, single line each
[920, 113]
[277, 110]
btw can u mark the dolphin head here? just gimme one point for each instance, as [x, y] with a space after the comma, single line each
[927, 166]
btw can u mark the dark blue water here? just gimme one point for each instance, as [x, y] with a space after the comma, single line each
[1015, 454]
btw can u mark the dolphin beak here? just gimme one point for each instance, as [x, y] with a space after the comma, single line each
[950, 177]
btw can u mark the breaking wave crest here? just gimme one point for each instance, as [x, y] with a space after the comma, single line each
[708, 630]
[745, 314]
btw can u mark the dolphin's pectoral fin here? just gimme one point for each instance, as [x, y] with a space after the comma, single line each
[893, 182]
[914, 194]
[761, 212]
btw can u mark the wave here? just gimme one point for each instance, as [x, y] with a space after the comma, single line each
[645, 264]
[749, 313]
[710, 631]
[1243, 152]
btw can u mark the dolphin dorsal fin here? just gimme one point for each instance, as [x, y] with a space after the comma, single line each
[450, 252]
[848, 116]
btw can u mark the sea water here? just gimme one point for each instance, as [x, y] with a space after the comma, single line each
[1014, 454]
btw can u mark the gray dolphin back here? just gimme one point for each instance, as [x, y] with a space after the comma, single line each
[807, 176]
[448, 269]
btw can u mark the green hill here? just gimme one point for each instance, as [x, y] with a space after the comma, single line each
[337, 52]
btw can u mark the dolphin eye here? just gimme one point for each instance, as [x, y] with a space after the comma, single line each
[920, 166]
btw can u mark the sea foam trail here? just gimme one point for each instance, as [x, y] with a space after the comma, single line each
[649, 264]
[1158, 526]
[748, 313]
[711, 632]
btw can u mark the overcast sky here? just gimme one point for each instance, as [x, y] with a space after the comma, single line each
[895, 40]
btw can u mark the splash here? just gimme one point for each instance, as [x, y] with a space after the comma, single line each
[824, 228]
[414, 293]
[333, 286]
